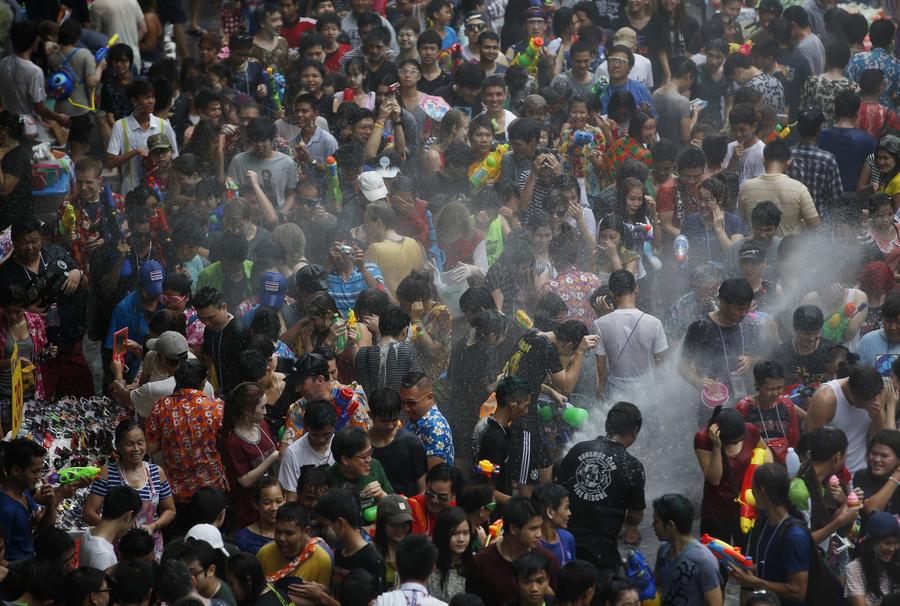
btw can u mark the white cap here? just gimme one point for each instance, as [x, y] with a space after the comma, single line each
[372, 186]
[208, 533]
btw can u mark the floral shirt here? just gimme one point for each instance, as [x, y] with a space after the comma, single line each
[676, 198]
[434, 431]
[276, 57]
[577, 158]
[876, 119]
[293, 422]
[187, 425]
[195, 328]
[38, 333]
[438, 324]
[575, 288]
[622, 149]
[882, 59]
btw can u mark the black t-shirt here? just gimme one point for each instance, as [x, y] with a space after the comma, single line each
[793, 75]
[871, 484]
[404, 462]
[534, 358]
[430, 86]
[18, 204]
[366, 558]
[651, 39]
[807, 369]
[714, 350]
[604, 482]
[224, 348]
[494, 447]
[470, 108]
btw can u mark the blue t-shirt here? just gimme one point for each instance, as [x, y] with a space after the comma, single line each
[704, 243]
[685, 578]
[875, 350]
[851, 147]
[778, 558]
[16, 523]
[248, 541]
[564, 549]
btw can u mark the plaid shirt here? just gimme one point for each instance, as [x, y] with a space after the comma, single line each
[818, 171]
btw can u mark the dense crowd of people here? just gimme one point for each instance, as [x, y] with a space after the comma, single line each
[385, 292]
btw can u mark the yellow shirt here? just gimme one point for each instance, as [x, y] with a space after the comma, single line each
[396, 260]
[317, 569]
[892, 187]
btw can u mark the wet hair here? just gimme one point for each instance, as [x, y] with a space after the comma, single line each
[248, 573]
[319, 415]
[549, 306]
[510, 389]
[623, 419]
[136, 543]
[571, 332]
[767, 369]
[765, 214]
[336, 504]
[808, 318]
[736, 291]
[675, 508]
[865, 382]
[393, 321]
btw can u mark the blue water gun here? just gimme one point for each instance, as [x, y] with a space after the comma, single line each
[101, 53]
[801, 394]
[437, 255]
[645, 232]
[638, 572]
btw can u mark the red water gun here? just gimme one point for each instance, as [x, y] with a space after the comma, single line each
[746, 498]
[494, 531]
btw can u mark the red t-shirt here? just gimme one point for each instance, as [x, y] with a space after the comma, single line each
[667, 200]
[240, 458]
[333, 59]
[778, 423]
[876, 119]
[293, 33]
[718, 501]
[423, 520]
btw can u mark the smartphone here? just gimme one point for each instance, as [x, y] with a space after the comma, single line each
[699, 104]
[394, 89]
[120, 341]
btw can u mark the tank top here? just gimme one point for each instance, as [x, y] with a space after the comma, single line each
[854, 422]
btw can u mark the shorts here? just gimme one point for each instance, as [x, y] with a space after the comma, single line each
[80, 128]
[527, 455]
[171, 11]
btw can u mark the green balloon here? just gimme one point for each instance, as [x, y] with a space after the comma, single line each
[575, 417]
[545, 412]
[370, 513]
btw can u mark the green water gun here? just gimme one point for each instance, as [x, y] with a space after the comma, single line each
[67, 475]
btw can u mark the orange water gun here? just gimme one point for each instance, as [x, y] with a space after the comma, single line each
[494, 531]
[486, 468]
[726, 553]
[746, 498]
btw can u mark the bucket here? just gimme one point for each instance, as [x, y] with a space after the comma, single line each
[716, 394]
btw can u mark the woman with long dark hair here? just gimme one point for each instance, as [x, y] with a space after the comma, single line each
[682, 27]
[453, 538]
[512, 279]
[880, 478]
[393, 523]
[244, 575]
[876, 572]
[248, 448]
[15, 170]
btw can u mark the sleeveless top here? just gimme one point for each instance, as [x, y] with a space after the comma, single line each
[854, 422]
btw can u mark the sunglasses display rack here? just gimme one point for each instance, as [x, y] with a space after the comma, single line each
[77, 432]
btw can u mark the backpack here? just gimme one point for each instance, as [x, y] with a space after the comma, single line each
[823, 587]
[63, 81]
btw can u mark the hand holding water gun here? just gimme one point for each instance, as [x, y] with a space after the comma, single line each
[276, 83]
[352, 323]
[645, 231]
[486, 468]
[494, 531]
[101, 53]
[639, 572]
[529, 58]
[67, 222]
[437, 255]
[489, 169]
[838, 322]
[726, 553]
[334, 184]
[746, 498]
[780, 131]
[523, 319]
[67, 475]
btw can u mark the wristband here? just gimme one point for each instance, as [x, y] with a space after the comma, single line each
[379, 125]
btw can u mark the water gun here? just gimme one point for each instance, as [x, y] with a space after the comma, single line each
[232, 190]
[494, 531]
[158, 221]
[746, 498]
[276, 82]
[486, 468]
[523, 319]
[351, 322]
[800, 393]
[450, 58]
[580, 138]
[370, 513]
[726, 553]
[600, 86]
[838, 322]
[67, 475]
[780, 131]
[334, 184]
[67, 222]
[743, 49]
[340, 342]
[214, 223]
[681, 246]
[529, 57]
[489, 169]
[639, 572]
[101, 53]
[414, 331]
[573, 416]
[345, 405]
[645, 231]
[437, 255]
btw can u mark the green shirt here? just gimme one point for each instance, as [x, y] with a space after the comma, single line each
[214, 276]
[376, 474]
[225, 594]
[493, 240]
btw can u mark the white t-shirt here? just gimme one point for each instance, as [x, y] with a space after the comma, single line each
[298, 454]
[629, 338]
[123, 17]
[136, 137]
[144, 397]
[97, 552]
[751, 163]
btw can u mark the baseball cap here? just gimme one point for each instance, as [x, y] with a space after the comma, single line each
[533, 103]
[880, 525]
[311, 365]
[535, 12]
[158, 141]
[208, 533]
[170, 345]
[751, 252]
[152, 276]
[273, 287]
[474, 17]
[372, 186]
[626, 37]
[808, 318]
[311, 278]
[394, 509]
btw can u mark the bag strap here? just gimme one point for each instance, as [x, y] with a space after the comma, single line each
[627, 341]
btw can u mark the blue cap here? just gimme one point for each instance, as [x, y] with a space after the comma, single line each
[152, 277]
[881, 525]
[272, 290]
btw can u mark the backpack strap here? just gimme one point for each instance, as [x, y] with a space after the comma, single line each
[66, 64]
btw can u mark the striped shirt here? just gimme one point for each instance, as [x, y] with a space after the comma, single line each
[114, 478]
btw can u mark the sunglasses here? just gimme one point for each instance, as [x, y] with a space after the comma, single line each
[441, 498]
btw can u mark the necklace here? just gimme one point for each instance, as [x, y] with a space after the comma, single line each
[762, 562]
[249, 437]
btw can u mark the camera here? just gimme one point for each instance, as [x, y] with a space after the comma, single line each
[47, 285]
[345, 250]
